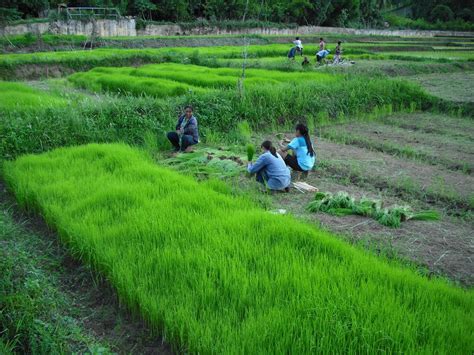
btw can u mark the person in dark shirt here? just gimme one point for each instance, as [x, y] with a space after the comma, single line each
[186, 133]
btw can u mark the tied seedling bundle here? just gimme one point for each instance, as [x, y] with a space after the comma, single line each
[250, 152]
[342, 204]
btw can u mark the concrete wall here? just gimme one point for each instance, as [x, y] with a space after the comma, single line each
[102, 28]
[171, 30]
[126, 27]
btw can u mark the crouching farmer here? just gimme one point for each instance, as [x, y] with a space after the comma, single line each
[186, 133]
[270, 169]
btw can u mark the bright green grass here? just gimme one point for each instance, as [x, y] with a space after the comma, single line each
[216, 274]
[16, 96]
[178, 53]
[177, 79]
[121, 82]
[104, 55]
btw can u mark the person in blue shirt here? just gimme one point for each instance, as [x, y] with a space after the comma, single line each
[301, 145]
[270, 169]
[321, 55]
[186, 133]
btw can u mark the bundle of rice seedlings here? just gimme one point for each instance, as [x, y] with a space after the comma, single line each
[367, 207]
[387, 218]
[244, 131]
[393, 216]
[250, 151]
[342, 204]
[426, 216]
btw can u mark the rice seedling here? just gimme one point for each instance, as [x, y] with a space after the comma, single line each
[341, 204]
[112, 81]
[250, 151]
[215, 274]
[18, 97]
[173, 79]
[206, 163]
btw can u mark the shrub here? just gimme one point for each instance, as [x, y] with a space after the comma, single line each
[441, 13]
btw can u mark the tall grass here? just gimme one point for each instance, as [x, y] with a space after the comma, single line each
[128, 119]
[215, 274]
[124, 118]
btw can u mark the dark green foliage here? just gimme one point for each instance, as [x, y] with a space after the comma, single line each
[303, 12]
[441, 13]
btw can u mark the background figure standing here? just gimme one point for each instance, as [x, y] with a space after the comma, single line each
[186, 133]
[322, 44]
[299, 45]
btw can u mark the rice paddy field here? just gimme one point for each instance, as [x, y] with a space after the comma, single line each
[111, 244]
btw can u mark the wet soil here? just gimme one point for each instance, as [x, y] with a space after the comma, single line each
[455, 153]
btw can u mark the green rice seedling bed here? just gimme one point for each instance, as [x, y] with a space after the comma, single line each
[16, 96]
[170, 79]
[119, 82]
[116, 56]
[215, 274]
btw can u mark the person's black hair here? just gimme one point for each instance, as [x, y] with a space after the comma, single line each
[321, 39]
[269, 146]
[188, 106]
[305, 133]
[297, 38]
[339, 42]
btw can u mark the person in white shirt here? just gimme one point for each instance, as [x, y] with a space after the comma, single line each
[299, 45]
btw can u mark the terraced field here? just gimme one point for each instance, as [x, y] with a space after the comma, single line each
[418, 159]
[186, 254]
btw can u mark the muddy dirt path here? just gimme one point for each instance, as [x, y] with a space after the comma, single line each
[428, 182]
[434, 148]
[433, 123]
[445, 247]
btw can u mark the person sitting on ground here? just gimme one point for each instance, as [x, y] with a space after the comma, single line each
[270, 169]
[305, 62]
[337, 56]
[299, 45]
[321, 55]
[322, 44]
[186, 133]
[303, 148]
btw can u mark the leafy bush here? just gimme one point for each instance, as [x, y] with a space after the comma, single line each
[441, 13]
[214, 273]
[401, 22]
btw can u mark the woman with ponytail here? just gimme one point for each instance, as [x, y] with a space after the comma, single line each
[301, 145]
[270, 169]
